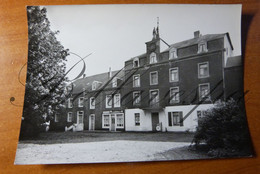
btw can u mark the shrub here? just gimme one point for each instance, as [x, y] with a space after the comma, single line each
[223, 129]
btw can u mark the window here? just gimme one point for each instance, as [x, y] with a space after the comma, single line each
[56, 117]
[95, 85]
[69, 117]
[137, 119]
[154, 97]
[204, 92]
[114, 82]
[202, 47]
[174, 74]
[203, 70]
[136, 62]
[120, 120]
[106, 121]
[153, 58]
[154, 78]
[109, 101]
[70, 101]
[174, 95]
[136, 98]
[200, 114]
[81, 101]
[92, 103]
[175, 118]
[84, 92]
[172, 53]
[136, 80]
[80, 117]
[117, 99]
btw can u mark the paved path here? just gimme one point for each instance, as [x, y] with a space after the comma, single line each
[94, 152]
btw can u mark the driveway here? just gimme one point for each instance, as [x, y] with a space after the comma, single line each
[95, 152]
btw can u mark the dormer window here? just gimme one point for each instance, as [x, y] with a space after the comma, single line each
[114, 82]
[202, 47]
[95, 85]
[136, 62]
[153, 58]
[172, 53]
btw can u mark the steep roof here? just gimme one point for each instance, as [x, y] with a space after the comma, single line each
[194, 41]
[103, 78]
[234, 61]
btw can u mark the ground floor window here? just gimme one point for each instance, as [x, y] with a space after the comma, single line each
[69, 117]
[105, 120]
[119, 120]
[137, 119]
[175, 118]
[200, 114]
[57, 118]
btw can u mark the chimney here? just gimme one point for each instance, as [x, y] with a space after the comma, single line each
[197, 34]
[110, 73]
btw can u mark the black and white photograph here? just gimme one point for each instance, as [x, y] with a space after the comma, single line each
[133, 83]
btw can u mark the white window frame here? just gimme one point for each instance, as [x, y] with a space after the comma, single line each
[81, 102]
[137, 122]
[56, 118]
[173, 53]
[107, 98]
[134, 99]
[94, 85]
[114, 82]
[176, 95]
[90, 105]
[156, 72]
[78, 114]
[70, 103]
[117, 103]
[139, 81]
[202, 50]
[69, 117]
[153, 58]
[150, 94]
[208, 97]
[103, 121]
[199, 75]
[170, 74]
[173, 123]
[138, 63]
[123, 124]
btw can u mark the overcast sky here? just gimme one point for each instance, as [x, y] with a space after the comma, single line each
[115, 33]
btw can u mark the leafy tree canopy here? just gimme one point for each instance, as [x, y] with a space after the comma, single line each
[45, 70]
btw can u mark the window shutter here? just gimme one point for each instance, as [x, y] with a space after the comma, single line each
[181, 118]
[170, 119]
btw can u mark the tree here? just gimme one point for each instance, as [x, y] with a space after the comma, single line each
[224, 130]
[45, 72]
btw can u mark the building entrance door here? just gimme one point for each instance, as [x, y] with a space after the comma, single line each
[92, 122]
[155, 120]
[80, 125]
[113, 123]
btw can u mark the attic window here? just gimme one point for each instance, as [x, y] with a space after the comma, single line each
[136, 62]
[202, 47]
[94, 85]
[114, 82]
[172, 53]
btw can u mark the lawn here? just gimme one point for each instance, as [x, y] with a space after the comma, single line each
[87, 136]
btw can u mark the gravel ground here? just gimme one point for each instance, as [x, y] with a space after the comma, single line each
[100, 146]
[95, 152]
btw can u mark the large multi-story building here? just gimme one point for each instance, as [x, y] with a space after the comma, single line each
[159, 90]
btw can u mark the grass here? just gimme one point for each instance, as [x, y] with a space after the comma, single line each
[87, 136]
